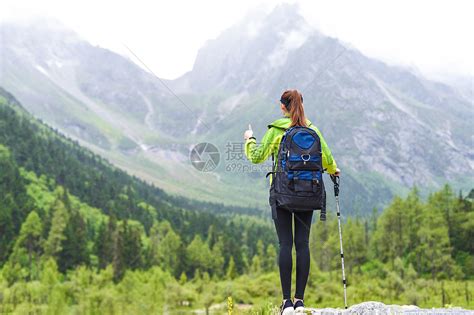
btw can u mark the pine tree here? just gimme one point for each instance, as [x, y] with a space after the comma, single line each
[355, 244]
[183, 279]
[325, 244]
[118, 259]
[270, 260]
[154, 244]
[255, 267]
[23, 263]
[53, 244]
[391, 240]
[7, 227]
[231, 272]
[104, 244]
[261, 254]
[217, 254]
[132, 246]
[74, 245]
[211, 236]
[434, 250]
[165, 246]
[197, 255]
[14, 202]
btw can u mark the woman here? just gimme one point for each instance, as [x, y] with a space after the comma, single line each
[291, 104]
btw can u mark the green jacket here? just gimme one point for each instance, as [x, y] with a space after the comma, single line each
[271, 143]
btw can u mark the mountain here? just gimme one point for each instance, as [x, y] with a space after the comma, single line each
[42, 170]
[107, 103]
[389, 128]
[404, 121]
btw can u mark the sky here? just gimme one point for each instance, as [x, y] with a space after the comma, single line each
[433, 37]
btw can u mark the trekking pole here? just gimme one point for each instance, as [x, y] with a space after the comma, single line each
[335, 180]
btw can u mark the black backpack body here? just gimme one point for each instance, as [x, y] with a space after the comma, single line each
[297, 183]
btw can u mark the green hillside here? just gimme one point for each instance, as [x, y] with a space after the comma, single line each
[81, 236]
[52, 169]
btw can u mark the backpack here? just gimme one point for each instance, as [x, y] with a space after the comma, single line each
[297, 183]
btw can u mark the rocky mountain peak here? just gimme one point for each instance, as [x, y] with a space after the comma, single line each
[388, 128]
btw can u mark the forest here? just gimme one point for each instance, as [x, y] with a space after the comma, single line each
[79, 236]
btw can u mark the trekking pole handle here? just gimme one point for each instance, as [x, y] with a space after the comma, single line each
[335, 179]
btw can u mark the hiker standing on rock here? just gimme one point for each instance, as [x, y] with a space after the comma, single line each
[300, 155]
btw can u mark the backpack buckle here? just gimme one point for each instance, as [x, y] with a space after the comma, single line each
[303, 158]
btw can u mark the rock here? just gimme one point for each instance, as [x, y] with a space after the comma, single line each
[378, 308]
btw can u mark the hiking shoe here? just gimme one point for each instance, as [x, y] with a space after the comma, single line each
[287, 308]
[299, 306]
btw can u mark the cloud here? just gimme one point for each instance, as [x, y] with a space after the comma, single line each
[292, 40]
[433, 35]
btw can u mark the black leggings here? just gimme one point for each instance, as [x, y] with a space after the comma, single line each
[284, 230]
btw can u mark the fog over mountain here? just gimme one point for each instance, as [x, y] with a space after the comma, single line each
[389, 128]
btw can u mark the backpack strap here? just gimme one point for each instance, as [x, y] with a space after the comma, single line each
[273, 155]
[283, 128]
[277, 127]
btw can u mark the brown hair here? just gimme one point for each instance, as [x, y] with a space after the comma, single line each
[294, 105]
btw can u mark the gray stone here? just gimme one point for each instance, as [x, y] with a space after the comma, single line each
[378, 308]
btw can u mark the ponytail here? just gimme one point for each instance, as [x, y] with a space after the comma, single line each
[293, 101]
